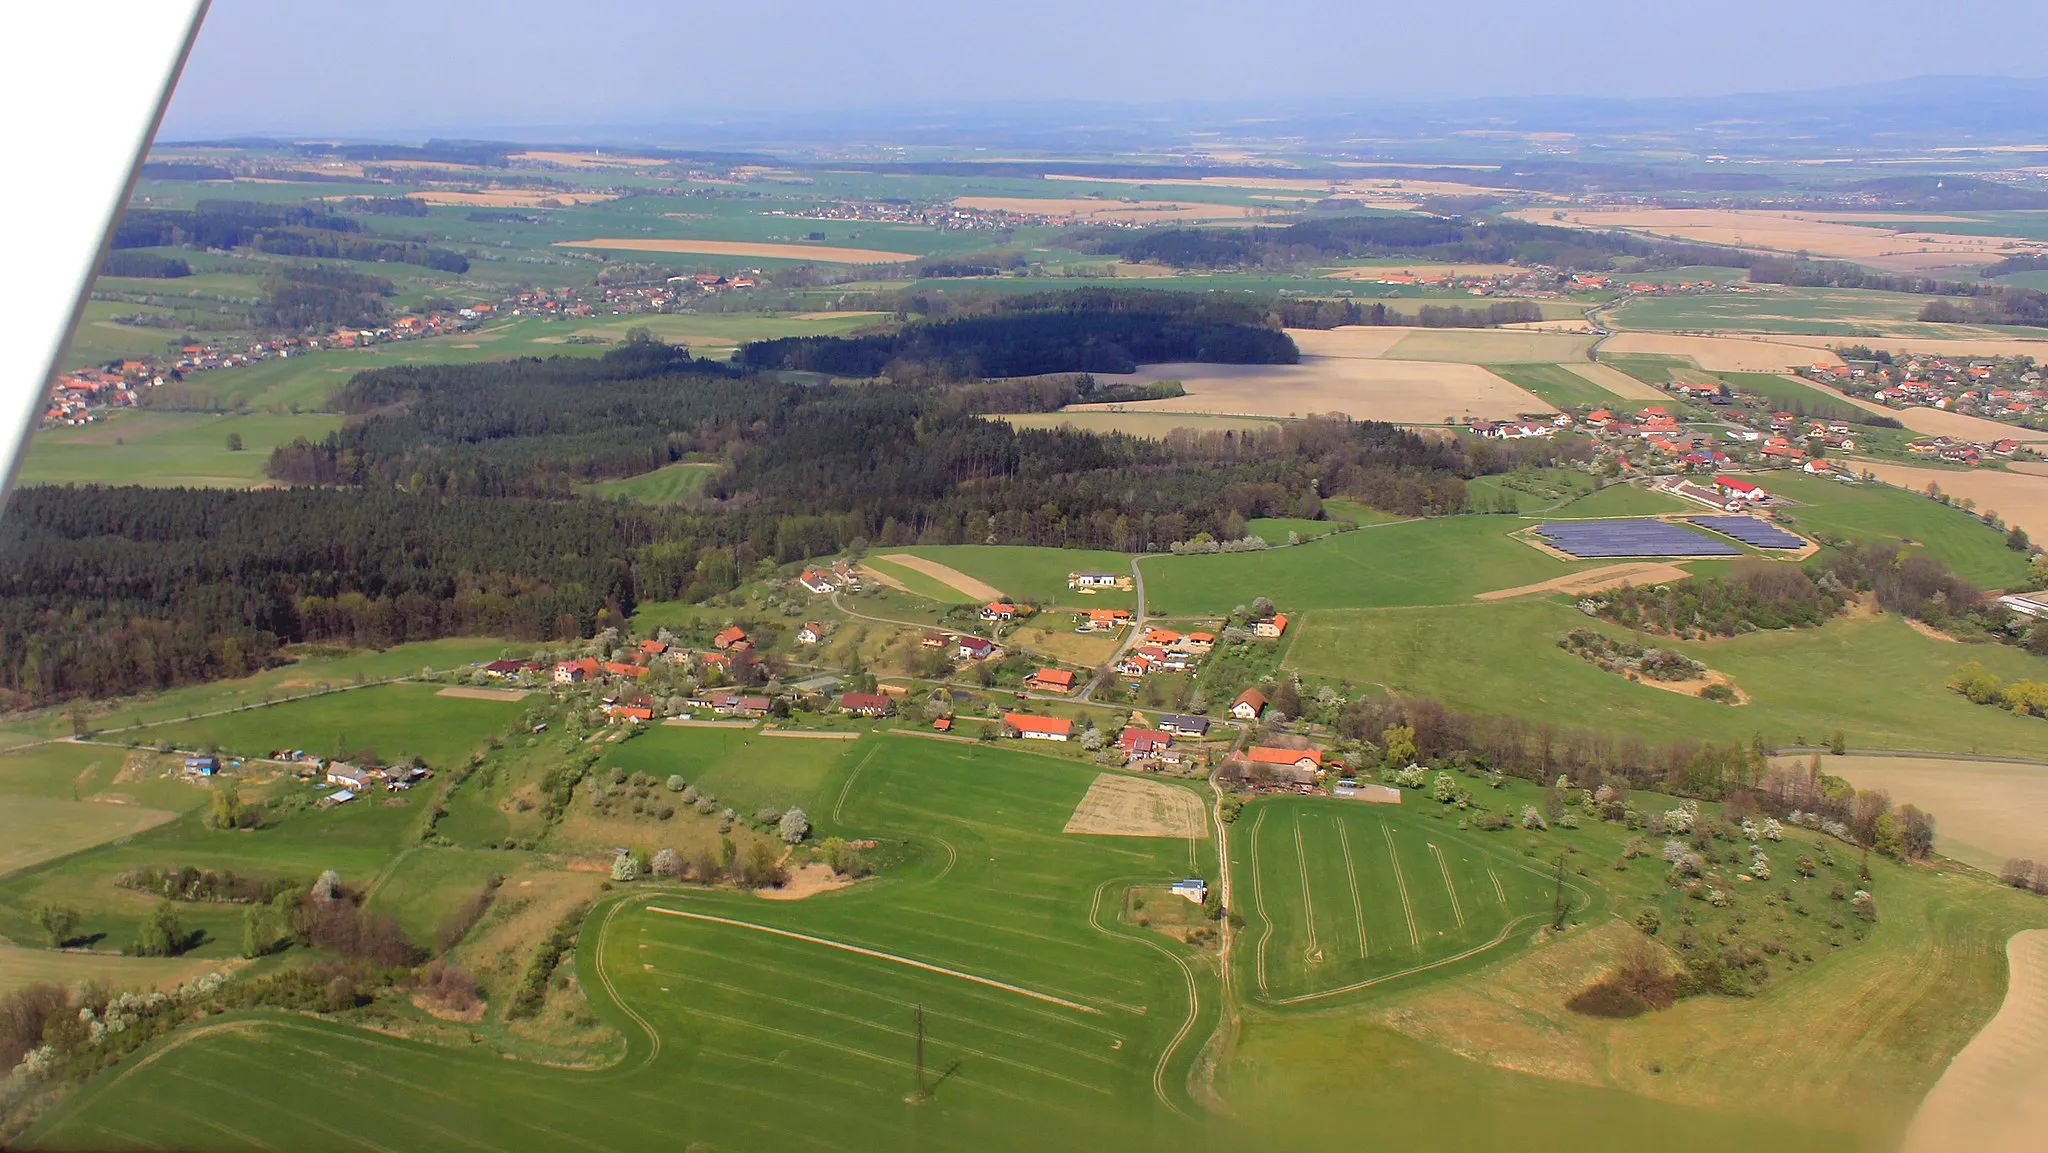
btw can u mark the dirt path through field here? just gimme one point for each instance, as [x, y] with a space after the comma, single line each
[476, 694]
[1994, 1096]
[946, 575]
[1593, 580]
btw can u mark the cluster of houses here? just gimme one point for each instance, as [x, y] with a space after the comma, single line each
[1999, 388]
[1723, 493]
[1101, 620]
[963, 646]
[1955, 451]
[830, 579]
[1164, 650]
[77, 398]
[351, 781]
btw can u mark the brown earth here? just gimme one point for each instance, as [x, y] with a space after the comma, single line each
[805, 881]
[470, 692]
[1897, 250]
[1121, 806]
[1594, 580]
[945, 574]
[2020, 497]
[1994, 1096]
[1989, 810]
[1721, 353]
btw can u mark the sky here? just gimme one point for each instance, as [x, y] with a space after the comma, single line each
[403, 69]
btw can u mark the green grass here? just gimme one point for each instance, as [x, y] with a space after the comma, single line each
[1527, 489]
[1827, 311]
[1275, 529]
[393, 720]
[1874, 512]
[303, 675]
[1791, 394]
[744, 768]
[671, 485]
[787, 1040]
[1877, 679]
[1443, 561]
[1027, 573]
[919, 584]
[1342, 894]
[423, 886]
[1556, 385]
[1619, 500]
[167, 448]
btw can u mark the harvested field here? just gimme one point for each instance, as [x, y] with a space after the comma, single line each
[1402, 392]
[468, 692]
[1489, 346]
[1593, 580]
[1988, 809]
[1354, 342]
[1896, 250]
[1120, 806]
[1616, 381]
[1994, 1096]
[1088, 208]
[971, 588]
[1722, 353]
[20, 967]
[2021, 498]
[589, 160]
[819, 252]
[509, 197]
[1146, 424]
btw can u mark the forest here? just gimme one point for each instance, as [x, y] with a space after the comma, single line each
[283, 230]
[444, 507]
[1089, 330]
[1496, 241]
[297, 299]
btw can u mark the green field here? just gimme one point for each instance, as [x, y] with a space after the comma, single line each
[167, 448]
[1345, 896]
[1033, 574]
[1875, 678]
[1825, 311]
[1875, 512]
[1443, 561]
[1275, 529]
[1039, 1005]
[1526, 489]
[744, 768]
[395, 721]
[1618, 500]
[1556, 385]
[670, 485]
[920, 584]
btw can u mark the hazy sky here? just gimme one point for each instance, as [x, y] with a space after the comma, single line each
[407, 67]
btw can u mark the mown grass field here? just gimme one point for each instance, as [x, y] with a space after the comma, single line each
[744, 768]
[1557, 385]
[1034, 574]
[1346, 896]
[1443, 561]
[1828, 311]
[1040, 1008]
[670, 485]
[396, 720]
[1877, 512]
[167, 448]
[1618, 500]
[920, 584]
[1877, 679]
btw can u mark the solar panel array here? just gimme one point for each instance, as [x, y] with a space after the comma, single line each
[1631, 538]
[1750, 531]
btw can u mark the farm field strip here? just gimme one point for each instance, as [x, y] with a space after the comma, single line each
[1401, 883]
[1457, 910]
[1351, 878]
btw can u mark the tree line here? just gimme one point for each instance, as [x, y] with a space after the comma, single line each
[307, 230]
[301, 298]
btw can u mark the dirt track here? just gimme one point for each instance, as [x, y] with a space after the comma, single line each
[1994, 1096]
[945, 575]
[1593, 580]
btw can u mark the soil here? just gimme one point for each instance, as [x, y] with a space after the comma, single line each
[1120, 806]
[1994, 1096]
[1594, 580]
[478, 694]
[806, 881]
[947, 575]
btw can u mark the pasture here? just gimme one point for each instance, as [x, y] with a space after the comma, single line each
[1344, 896]
[1558, 385]
[791, 1022]
[671, 485]
[1877, 512]
[1881, 682]
[1435, 562]
[167, 448]
[741, 767]
[1832, 311]
[389, 721]
[2020, 497]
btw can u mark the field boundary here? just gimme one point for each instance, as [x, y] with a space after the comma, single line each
[1457, 910]
[1351, 878]
[879, 955]
[1187, 973]
[1259, 905]
[1401, 883]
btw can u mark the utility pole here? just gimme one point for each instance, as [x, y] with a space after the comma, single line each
[919, 1094]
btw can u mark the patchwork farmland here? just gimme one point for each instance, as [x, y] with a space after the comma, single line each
[1346, 896]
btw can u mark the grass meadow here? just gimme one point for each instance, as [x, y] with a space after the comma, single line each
[394, 721]
[1875, 678]
[1875, 512]
[743, 768]
[167, 448]
[1556, 385]
[756, 1024]
[1443, 561]
[1034, 574]
[671, 485]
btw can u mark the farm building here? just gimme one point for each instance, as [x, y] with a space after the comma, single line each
[1194, 889]
[1103, 620]
[1138, 742]
[576, 672]
[1271, 627]
[817, 580]
[810, 634]
[867, 704]
[1310, 759]
[1185, 726]
[1038, 728]
[348, 776]
[1740, 489]
[1097, 580]
[731, 637]
[504, 668]
[204, 766]
[1053, 680]
[620, 712]
[1248, 705]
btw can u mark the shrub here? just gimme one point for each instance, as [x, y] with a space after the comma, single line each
[625, 868]
[667, 863]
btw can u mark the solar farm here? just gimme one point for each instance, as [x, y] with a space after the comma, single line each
[1635, 537]
[1751, 531]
